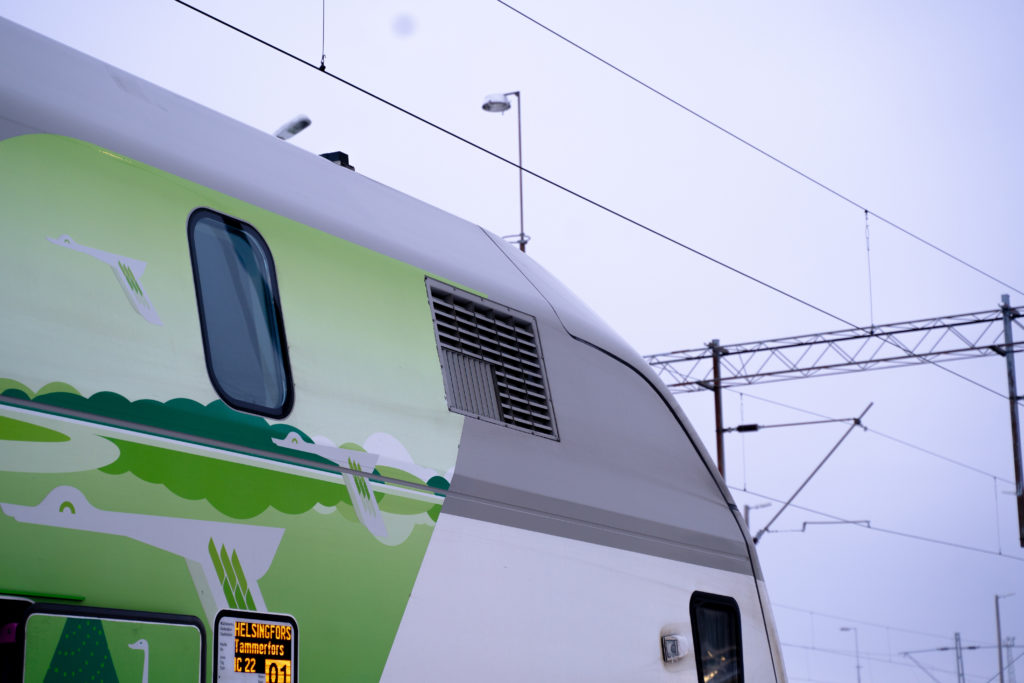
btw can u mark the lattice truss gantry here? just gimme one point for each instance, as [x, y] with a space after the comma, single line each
[932, 340]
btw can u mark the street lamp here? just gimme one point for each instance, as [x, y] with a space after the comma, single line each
[293, 127]
[499, 103]
[856, 645]
[999, 635]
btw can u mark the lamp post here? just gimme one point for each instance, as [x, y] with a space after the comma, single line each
[499, 103]
[856, 646]
[999, 635]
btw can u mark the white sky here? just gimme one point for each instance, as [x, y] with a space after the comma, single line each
[909, 107]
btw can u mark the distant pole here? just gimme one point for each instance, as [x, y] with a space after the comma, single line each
[856, 646]
[999, 636]
[1011, 375]
[716, 355]
[1009, 656]
[959, 660]
[999, 641]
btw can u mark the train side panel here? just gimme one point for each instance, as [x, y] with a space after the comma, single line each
[129, 484]
[462, 473]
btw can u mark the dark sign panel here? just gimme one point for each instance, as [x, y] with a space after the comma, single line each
[256, 648]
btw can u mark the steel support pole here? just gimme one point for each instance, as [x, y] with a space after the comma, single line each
[999, 641]
[959, 660]
[716, 355]
[1010, 672]
[856, 647]
[1011, 376]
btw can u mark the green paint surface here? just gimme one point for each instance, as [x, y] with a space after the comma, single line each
[173, 650]
[81, 652]
[364, 584]
[42, 634]
[395, 473]
[17, 430]
[237, 490]
[17, 388]
[400, 505]
[358, 324]
[62, 648]
[214, 421]
[364, 360]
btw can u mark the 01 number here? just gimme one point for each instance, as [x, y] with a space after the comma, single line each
[277, 671]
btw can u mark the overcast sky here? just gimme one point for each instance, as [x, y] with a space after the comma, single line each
[909, 108]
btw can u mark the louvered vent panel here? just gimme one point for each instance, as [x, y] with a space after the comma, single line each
[492, 361]
[473, 392]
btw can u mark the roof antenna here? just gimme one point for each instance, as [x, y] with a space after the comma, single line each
[293, 127]
[323, 35]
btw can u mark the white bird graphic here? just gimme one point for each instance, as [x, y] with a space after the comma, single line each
[142, 644]
[128, 271]
[363, 500]
[226, 560]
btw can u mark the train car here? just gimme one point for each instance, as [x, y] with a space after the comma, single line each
[264, 419]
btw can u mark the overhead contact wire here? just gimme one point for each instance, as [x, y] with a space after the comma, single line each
[893, 532]
[889, 437]
[754, 147]
[497, 156]
[567, 190]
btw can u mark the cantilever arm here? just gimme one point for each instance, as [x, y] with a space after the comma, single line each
[828, 455]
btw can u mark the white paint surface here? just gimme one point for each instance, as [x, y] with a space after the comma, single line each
[497, 603]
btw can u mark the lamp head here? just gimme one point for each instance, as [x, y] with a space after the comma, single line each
[497, 103]
[293, 127]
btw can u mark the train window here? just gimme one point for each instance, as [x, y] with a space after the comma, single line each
[240, 314]
[491, 360]
[49, 642]
[716, 638]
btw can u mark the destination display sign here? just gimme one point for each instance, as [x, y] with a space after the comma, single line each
[256, 648]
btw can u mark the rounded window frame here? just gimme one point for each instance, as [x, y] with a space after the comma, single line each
[286, 404]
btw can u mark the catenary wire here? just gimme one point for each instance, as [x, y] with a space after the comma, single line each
[838, 617]
[1006, 666]
[534, 174]
[872, 658]
[892, 532]
[574, 193]
[623, 217]
[757, 149]
[883, 435]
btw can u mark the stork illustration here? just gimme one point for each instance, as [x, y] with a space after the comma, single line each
[142, 644]
[363, 500]
[126, 270]
[226, 559]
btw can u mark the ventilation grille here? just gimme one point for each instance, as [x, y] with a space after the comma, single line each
[492, 362]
